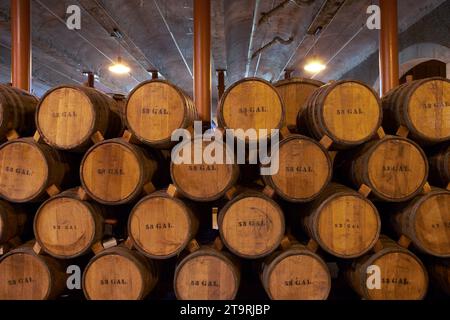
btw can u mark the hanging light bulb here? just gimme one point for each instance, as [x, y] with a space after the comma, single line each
[119, 67]
[315, 65]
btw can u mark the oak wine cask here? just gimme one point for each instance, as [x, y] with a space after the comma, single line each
[295, 92]
[119, 274]
[423, 107]
[426, 222]
[155, 109]
[296, 274]
[67, 227]
[348, 112]
[251, 225]
[440, 166]
[12, 222]
[394, 168]
[161, 226]
[207, 274]
[198, 180]
[403, 275]
[17, 109]
[68, 117]
[24, 275]
[251, 103]
[305, 169]
[342, 222]
[115, 172]
[439, 271]
[28, 169]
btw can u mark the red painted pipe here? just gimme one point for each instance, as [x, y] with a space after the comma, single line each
[389, 57]
[21, 43]
[202, 58]
[90, 80]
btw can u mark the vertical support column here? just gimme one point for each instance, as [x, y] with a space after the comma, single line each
[221, 82]
[21, 43]
[202, 59]
[389, 59]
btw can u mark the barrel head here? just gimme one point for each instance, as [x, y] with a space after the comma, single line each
[429, 110]
[403, 277]
[397, 169]
[252, 226]
[203, 182]
[305, 169]
[347, 226]
[111, 172]
[64, 227]
[24, 171]
[160, 226]
[65, 118]
[113, 277]
[24, 276]
[351, 113]
[155, 109]
[206, 277]
[298, 276]
[252, 104]
[432, 224]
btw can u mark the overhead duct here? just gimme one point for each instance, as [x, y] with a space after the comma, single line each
[271, 43]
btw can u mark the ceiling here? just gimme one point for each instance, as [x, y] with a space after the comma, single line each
[158, 34]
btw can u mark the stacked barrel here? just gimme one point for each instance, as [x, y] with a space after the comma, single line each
[336, 185]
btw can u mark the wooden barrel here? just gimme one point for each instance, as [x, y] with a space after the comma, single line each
[161, 226]
[251, 225]
[155, 109]
[198, 180]
[295, 92]
[296, 274]
[207, 274]
[403, 276]
[251, 103]
[440, 274]
[11, 222]
[67, 227]
[68, 116]
[115, 172]
[348, 112]
[24, 275]
[28, 169]
[394, 168]
[305, 169]
[426, 221]
[423, 107]
[342, 222]
[119, 274]
[440, 167]
[17, 108]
